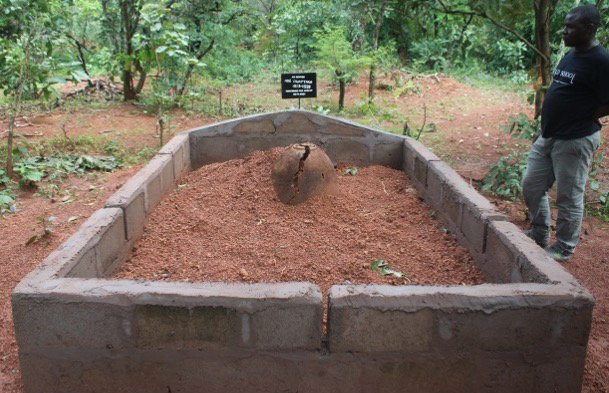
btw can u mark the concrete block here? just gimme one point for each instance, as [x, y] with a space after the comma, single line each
[135, 217]
[467, 211]
[165, 327]
[167, 174]
[417, 157]
[434, 191]
[297, 123]
[261, 126]
[206, 149]
[50, 326]
[390, 154]
[112, 246]
[179, 149]
[297, 327]
[265, 316]
[361, 323]
[344, 129]
[420, 174]
[87, 266]
[524, 329]
[153, 192]
[245, 146]
[140, 194]
[501, 253]
[474, 224]
[348, 151]
[451, 209]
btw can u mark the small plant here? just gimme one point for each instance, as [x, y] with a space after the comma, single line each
[46, 230]
[383, 269]
[522, 128]
[7, 200]
[351, 171]
[504, 179]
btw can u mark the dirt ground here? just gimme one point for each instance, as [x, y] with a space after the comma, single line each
[466, 132]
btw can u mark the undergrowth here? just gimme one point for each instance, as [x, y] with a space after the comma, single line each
[45, 164]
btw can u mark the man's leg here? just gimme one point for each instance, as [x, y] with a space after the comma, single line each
[571, 160]
[538, 179]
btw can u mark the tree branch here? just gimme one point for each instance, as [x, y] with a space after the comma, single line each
[484, 15]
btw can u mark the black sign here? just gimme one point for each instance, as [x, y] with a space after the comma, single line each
[299, 85]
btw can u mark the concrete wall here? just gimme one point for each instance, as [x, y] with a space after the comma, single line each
[79, 330]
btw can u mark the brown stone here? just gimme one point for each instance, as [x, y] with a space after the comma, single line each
[301, 172]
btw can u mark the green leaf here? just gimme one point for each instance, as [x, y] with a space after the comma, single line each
[6, 200]
[161, 49]
[595, 185]
[351, 171]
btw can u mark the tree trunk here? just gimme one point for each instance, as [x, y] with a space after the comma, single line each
[341, 93]
[402, 36]
[9, 146]
[375, 45]
[191, 67]
[130, 92]
[544, 11]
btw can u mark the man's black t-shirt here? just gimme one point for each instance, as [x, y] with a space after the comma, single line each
[580, 87]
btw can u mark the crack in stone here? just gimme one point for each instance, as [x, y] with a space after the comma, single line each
[300, 170]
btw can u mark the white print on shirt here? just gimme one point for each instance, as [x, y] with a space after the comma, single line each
[564, 77]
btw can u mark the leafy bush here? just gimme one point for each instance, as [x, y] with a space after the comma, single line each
[504, 179]
[522, 128]
[32, 170]
[6, 194]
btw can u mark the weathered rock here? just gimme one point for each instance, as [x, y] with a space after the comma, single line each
[301, 172]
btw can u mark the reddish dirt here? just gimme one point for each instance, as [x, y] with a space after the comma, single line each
[327, 240]
[466, 133]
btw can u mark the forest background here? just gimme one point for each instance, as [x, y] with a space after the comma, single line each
[169, 54]
[80, 80]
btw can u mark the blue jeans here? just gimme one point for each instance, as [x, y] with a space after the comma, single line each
[565, 162]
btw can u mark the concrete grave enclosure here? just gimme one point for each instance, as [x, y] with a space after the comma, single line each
[78, 330]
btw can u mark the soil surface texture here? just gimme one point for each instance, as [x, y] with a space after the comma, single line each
[225, 223]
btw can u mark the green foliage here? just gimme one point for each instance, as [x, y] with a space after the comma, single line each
[351, 171]
[383, 268]
[598, 196]
[32, 170]
[504, 179]
[7, 198]
[335, 54]
[522, 128]
[45, 232]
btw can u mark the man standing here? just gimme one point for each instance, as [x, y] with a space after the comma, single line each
[577, 98]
